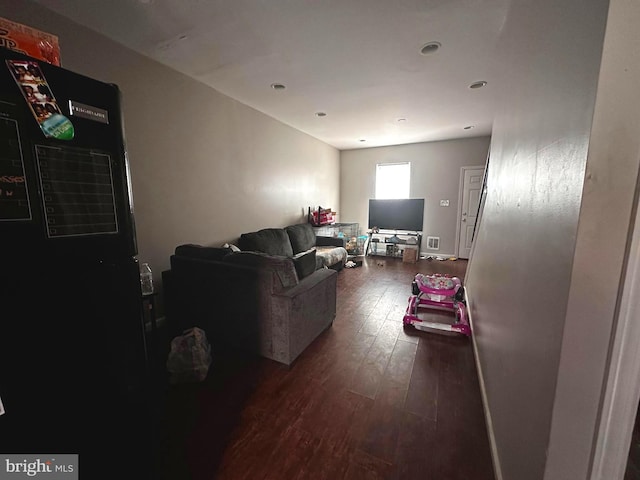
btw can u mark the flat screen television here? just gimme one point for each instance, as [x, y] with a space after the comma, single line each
[397, 214]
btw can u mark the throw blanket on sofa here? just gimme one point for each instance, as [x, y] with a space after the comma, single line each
[330, 255]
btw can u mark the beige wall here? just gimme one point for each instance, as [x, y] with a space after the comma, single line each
[608, 203]
[435, 176]
[539, 320]
[204, 168]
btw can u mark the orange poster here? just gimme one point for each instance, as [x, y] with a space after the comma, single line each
[27, 40]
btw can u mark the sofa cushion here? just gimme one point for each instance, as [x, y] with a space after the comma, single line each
[302, 237]
[305, 263]
[273, 241]
[204, 253]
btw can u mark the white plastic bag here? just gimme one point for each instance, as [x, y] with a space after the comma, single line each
[190, 357]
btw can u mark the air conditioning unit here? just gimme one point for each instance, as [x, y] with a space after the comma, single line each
[433, 243]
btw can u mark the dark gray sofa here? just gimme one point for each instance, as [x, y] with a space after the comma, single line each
[272, 298]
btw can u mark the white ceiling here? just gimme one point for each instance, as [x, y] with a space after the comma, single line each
[358, 61]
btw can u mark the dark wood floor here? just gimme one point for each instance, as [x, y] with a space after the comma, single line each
[368, 399]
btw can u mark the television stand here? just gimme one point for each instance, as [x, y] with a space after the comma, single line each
[393, 243]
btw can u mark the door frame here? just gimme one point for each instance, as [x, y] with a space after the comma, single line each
[460, 195]
[621, 391]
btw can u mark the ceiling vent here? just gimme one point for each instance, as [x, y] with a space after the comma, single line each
[433, 243]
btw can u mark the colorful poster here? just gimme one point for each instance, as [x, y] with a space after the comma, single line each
[29, 41]
[43, 105]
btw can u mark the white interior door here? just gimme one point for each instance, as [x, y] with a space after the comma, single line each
[471, 180]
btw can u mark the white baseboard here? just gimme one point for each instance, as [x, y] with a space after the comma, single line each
[483, 392]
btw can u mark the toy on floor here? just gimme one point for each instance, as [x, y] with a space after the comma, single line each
[440, 292]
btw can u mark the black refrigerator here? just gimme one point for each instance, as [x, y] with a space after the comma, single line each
[73, 359]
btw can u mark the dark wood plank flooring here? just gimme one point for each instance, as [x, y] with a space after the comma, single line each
[367, 400]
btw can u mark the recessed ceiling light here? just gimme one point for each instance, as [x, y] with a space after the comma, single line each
[479, 84]
[429, 48]
[278, 86]
[469, 127]
[321, 114]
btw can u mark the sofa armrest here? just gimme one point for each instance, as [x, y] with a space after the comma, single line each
[331, 241]
[301, 313]
[307, 283]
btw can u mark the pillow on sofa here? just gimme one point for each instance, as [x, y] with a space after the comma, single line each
[231, 246]
[204, 253]
[273, 241]
[302, 237]
[305, 263]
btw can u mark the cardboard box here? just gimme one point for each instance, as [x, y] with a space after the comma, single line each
[410, 255]
[29, 41]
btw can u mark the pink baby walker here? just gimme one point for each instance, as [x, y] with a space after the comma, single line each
[440, 292]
